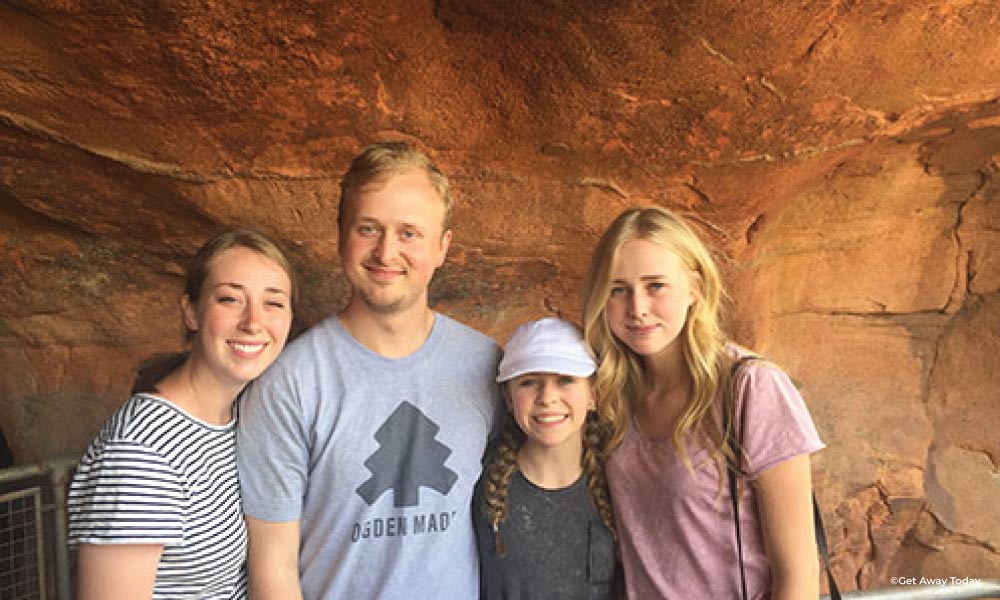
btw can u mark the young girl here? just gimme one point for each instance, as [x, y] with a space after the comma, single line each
[543, 519]
[155, 505]
[651, 306]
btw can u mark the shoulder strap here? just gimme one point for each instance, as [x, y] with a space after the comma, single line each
[732, 466]
[823, 552]
[733, 443]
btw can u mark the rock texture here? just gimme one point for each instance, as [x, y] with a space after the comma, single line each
[844, 157]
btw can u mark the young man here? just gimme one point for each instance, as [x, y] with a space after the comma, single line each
[360, 447]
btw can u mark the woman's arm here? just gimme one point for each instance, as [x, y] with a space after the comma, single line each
[113, 571]
[784, 499]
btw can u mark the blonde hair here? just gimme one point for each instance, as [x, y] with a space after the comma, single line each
[621, 378]
[379, 162]
[503, 464]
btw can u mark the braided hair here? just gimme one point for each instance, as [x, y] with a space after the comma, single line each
[503, 464]
[594, 434]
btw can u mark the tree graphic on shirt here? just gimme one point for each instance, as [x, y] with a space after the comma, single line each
[408, 458]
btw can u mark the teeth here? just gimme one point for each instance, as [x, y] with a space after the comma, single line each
[551, 419]
[248, 348]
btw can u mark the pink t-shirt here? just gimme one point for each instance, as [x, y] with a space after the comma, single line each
[677, 534]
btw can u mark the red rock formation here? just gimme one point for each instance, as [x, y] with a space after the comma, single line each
[843, 155]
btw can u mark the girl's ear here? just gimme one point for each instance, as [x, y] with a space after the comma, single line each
[591, 396]
[696, 283]
[189, 312]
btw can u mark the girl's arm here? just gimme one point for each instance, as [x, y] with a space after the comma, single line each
[117, 571]
[784, 498]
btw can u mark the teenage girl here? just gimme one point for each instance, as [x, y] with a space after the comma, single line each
[543, 520]
[651, 309]
[155, 505]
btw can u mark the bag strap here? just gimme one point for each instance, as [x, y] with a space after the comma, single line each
[728, 414]
[821, 543]
[733, 443]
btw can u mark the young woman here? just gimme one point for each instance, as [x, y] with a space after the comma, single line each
[543, 520]
[155, 505]
[651, 308]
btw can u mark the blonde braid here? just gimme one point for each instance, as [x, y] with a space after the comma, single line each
[594, 434]
[498, 473]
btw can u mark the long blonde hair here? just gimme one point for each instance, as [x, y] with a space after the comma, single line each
[621, 379]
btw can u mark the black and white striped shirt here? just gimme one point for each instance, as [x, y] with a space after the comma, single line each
[156, 475]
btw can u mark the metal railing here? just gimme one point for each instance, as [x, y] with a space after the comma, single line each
[25, 533]
[983, 588]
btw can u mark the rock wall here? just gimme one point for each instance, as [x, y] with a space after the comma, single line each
[843, 157]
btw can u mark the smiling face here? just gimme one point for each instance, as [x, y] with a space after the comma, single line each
[651, 292]
[550, 409]
[242, 318]
[392, 242]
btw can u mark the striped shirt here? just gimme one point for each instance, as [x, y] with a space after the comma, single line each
[156, 475]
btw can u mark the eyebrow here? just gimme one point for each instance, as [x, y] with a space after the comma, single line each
[396, 224]
[642, 278]
[242, 287]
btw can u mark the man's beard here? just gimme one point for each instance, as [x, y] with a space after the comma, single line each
[398, 305]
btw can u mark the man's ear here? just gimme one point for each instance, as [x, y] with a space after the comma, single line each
[445, 245]
[190, 313]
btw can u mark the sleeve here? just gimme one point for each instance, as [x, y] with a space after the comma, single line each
[272, 448]
[490, 577]
[777, 423]
[499, 409]
[126, 493]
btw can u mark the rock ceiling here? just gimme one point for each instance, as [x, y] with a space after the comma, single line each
[844, 156]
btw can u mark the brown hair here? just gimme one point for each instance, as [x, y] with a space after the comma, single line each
[201, 264]
[158, 366]
[380, 161]
[504, 463]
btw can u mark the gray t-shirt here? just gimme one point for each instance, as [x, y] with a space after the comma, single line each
[557, 547]
[376, 457]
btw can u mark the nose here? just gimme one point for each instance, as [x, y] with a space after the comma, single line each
[386, 248]
[637, 304]
[547, 393]
[249, 320]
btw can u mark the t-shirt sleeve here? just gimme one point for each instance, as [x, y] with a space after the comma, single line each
[272, 449]
[777, 423]
[126, 493]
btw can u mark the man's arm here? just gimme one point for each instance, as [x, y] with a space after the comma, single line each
[273, 560]
[272, 454]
